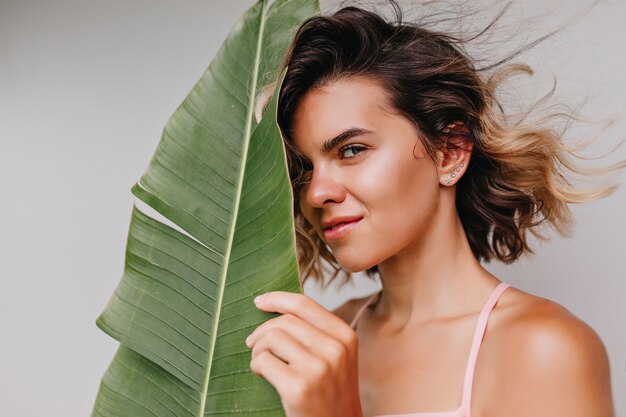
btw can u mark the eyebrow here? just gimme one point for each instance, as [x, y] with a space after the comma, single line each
[330, 144]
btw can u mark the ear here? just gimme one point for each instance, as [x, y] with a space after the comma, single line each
[454, 156]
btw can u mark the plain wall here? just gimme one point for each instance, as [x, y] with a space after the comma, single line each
[85, 90]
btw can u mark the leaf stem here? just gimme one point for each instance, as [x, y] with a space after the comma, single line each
[231, 233]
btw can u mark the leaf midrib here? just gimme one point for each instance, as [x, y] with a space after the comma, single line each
[231, 232]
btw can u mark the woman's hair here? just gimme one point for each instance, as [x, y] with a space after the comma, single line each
[516, 176]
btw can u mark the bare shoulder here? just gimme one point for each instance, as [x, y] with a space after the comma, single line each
[348, 310]
[549, 362]
[535, 322]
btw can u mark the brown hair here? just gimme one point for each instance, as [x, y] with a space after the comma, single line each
[516, 176]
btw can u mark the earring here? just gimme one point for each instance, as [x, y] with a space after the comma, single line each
[448, 179]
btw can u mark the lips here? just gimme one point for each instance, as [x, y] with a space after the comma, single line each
[339, 227]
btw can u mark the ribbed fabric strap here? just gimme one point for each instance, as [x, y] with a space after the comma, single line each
[479, 333]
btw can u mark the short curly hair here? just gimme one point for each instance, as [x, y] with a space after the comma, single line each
[516, 177]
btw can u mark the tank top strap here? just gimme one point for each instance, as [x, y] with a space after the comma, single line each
[362, 309]
[479, 334]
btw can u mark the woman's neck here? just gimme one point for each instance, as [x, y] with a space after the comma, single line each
[436, 277]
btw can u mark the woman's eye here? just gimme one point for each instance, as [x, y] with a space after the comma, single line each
[350, 151]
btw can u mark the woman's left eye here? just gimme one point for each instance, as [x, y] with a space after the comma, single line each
[350, 151]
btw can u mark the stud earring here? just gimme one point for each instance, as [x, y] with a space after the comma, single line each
[448, 179]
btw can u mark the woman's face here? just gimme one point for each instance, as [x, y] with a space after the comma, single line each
[377, 182]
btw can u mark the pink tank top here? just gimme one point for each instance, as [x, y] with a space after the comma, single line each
[464, 409]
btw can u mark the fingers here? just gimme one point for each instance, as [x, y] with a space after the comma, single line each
[303, 331]
[283, 346]
[275, 371]
[286, 364]
[310, 337]
[307, 353]
[307, 309]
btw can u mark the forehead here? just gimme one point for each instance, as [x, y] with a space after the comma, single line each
[336, 106]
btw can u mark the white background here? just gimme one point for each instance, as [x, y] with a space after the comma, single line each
[85, 90]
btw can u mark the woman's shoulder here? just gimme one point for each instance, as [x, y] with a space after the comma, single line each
[534, 322]
[542, 350]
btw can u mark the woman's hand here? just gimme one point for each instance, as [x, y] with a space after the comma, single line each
[309, 355]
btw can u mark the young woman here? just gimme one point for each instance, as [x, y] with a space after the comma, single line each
[404, 164]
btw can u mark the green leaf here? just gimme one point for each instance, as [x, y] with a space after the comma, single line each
[183, 307]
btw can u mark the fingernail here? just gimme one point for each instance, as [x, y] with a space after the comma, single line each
[259, 299]
[248, 341]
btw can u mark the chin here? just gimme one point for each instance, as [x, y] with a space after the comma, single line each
[356, 263]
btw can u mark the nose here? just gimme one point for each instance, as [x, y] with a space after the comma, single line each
[324, 189]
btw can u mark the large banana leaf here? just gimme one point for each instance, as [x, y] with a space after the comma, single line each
[183, 307]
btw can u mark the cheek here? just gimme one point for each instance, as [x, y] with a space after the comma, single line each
[402, 194]
[397, 178]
